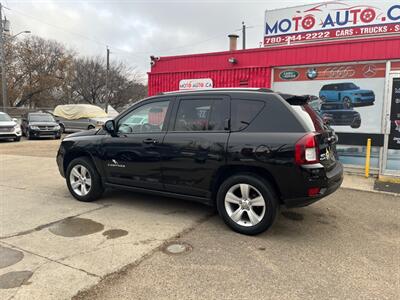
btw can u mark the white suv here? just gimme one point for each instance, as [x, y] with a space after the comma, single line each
[9, 128]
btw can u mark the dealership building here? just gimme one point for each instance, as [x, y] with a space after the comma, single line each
[346, 58]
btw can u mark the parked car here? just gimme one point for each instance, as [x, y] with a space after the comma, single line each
[339, 115]
[246, 151]
[39, 124]
[78, 117]
[348, 93]
[9, 128]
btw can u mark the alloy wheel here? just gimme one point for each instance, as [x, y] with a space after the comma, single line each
[80, 180]
[245, 205]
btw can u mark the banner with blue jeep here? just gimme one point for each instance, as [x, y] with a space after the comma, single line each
[348, 97]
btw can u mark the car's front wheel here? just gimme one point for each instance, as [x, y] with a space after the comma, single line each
[247, 203]
[83, 180]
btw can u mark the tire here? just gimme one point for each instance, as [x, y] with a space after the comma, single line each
[62, 128]
[347, 102]
[94, 190]
[356, 124]
[17, 139]
[256, 187]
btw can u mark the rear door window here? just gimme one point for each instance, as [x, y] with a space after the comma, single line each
[201, 115]
[243, 112]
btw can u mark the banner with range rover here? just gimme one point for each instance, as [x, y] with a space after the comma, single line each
[331, 20]
[347, 96]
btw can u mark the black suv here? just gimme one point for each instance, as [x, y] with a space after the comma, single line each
[246, 151]
[39, 124]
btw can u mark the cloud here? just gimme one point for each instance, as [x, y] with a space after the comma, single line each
[134, 30]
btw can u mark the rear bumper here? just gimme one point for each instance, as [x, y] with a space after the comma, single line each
[328, 183]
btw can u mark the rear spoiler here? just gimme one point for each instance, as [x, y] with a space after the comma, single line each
[295, 99]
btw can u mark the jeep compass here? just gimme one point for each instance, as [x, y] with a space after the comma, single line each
[244, 151]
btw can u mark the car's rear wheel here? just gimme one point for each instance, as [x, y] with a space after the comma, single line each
[356, 124]
[347, 102]
[247, 203]
[83, 180]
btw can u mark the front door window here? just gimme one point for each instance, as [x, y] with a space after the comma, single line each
[147, 118]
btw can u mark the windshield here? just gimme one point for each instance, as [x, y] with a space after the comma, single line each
[41, 118]
[5, 117]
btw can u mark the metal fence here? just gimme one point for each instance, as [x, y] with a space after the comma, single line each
[18, 112]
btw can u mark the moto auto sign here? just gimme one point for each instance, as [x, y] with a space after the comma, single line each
[331, 20]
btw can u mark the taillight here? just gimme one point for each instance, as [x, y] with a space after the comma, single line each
[306, 150]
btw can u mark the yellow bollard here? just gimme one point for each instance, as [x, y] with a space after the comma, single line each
[368, 158]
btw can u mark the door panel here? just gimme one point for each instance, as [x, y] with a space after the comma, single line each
[195, 145]
[134, 156]
[133, 160]
[191, 159]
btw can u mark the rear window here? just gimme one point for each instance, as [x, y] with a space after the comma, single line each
[201, 115]
[311, 119]
[243, 112]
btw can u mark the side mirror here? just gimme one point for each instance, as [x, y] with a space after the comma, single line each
[109, 126]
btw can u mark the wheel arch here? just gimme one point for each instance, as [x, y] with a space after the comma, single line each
[71, 155]
[226, 171]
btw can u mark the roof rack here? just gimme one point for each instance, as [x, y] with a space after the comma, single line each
[261, 90]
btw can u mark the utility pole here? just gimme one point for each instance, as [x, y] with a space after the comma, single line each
[107, 80]
[3, 62]
[244, 35]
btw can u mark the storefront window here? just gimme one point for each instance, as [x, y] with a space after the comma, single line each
[355, 155]
[393, 160]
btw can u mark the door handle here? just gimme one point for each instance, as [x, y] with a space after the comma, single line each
[150, 141]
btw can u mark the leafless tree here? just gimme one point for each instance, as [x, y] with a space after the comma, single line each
[89, 83]
[37, 67]
[44, 73]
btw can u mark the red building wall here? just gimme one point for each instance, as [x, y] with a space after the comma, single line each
[253, 67]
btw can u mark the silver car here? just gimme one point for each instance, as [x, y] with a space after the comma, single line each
[9, 128]
[80, 124]
[78, 117]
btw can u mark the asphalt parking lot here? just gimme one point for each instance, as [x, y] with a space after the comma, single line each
[53, 247]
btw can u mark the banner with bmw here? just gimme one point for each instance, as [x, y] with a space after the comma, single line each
[347, 96]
